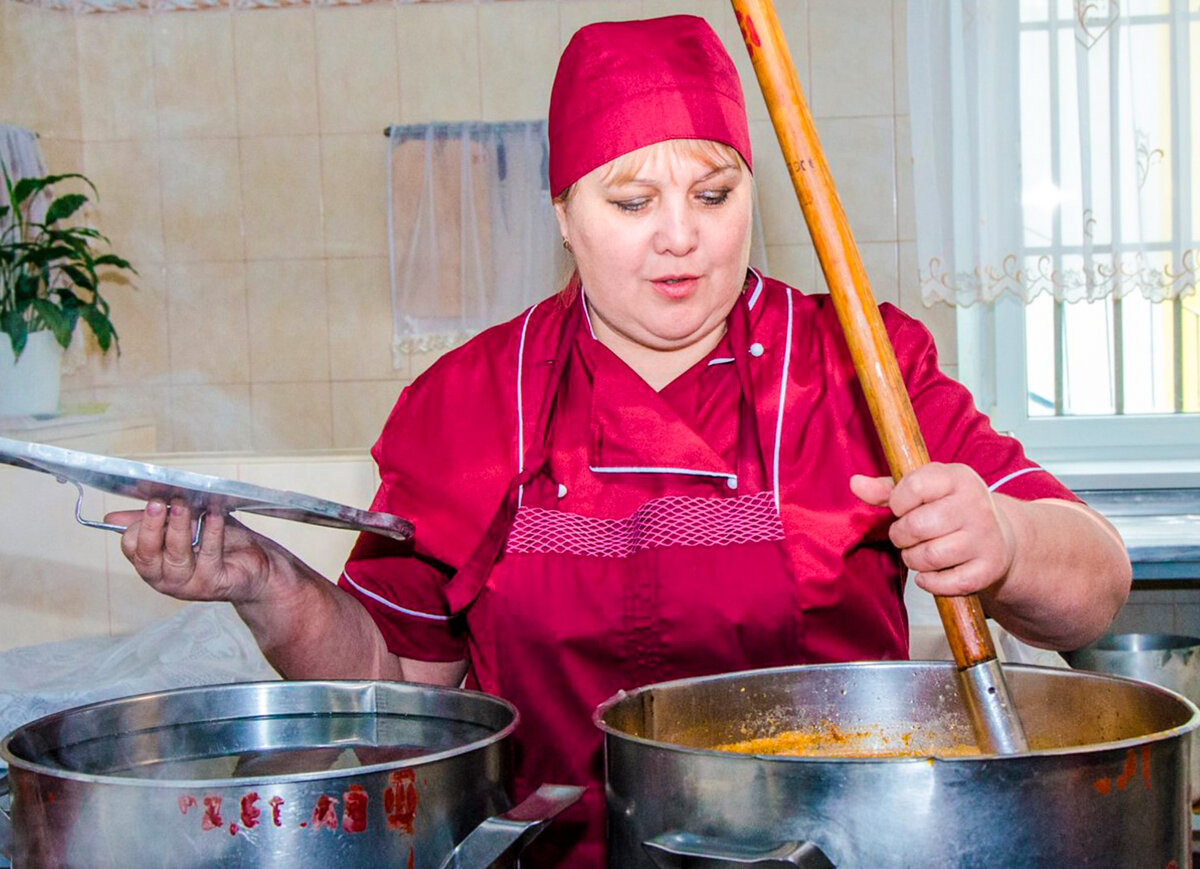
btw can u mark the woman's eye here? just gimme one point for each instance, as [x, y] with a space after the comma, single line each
[631, 204]
[714, 197]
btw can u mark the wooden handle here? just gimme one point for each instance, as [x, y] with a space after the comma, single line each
[870, 348]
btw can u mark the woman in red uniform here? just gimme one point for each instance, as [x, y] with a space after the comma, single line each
[666, 470]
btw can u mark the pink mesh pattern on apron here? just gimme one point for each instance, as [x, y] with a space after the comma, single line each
[670, 521]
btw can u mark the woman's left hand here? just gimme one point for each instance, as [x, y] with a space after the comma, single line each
[948, 528]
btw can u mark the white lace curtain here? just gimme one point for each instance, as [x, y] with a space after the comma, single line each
[472, 231]
[1049, 156]
[21, 158]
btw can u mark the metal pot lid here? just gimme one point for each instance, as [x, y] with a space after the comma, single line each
[200, 491]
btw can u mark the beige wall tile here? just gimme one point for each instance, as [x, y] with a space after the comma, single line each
[354, 193]
[783, 222]
[116, 76]
[281, 196]
[941, 320]
[516, 84]
[906, 214]
[357, 78]
[129, 206]
[61, 155]
[360, 408]
[41, 88]
[292, 416]
[880, 263]
[900, 55]
[193, 74]
[52, 575]
[275, 59]
[139, 311]
[289, 321]
[851, 57]
[206, 318]
[202, 200]
[211, 418]
[141, 401]
[572, 16]
[795, 265]
[360, 322]
[863, 166]
[438, 53]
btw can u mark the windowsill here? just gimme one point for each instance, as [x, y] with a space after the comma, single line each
[1091, 474]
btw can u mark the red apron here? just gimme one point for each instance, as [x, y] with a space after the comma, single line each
[567, 609]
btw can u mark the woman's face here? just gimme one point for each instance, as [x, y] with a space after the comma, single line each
[661, 239]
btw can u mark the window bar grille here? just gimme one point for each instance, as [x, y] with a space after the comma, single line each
[1116, 308]
[1181, 167]
[1060, 320]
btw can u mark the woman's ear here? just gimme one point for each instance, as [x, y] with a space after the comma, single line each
[560, 212]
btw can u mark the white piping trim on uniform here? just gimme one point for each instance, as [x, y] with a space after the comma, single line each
[720, 360]
[521, 402]
[996, 485]
[650, 470]
[587, 317]
[783, 379]
[758, 288]
[396, 607]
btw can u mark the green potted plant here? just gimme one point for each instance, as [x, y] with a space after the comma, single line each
[50, 276]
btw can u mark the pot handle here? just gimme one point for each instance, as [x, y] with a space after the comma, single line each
[668, 850]
[497, 840]
[5, 821]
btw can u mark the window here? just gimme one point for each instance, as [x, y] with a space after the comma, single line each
[1088, 341]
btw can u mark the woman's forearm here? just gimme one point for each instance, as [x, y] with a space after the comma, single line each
[1069, 576]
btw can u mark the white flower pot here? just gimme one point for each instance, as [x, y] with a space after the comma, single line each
[29, 385]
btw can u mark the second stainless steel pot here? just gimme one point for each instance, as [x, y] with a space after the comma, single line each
[271, 774]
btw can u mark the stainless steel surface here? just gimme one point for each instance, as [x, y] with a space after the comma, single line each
[1103, 784]
[260, 774]
[200, 491]
[988, 700]
[671, 850]
[1169, 660]
[498, 840]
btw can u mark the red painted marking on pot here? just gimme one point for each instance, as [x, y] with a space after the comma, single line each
[275, 802]
[1103, 786]
[49, 796]
[1129, 771]
[233, 828]
[354, 811]
[187, 801]
[1174, 864]
[250, 812]
[412, 858]
[324, 813]
[400, 800]
[212, 814]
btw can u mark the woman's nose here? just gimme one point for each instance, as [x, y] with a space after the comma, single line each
[677, 231]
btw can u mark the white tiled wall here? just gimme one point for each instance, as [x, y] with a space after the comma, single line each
[241, 166]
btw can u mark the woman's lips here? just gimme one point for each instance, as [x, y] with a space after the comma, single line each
[676, 286]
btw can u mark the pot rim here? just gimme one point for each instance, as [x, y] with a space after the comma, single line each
[609, 731]
[365, 688]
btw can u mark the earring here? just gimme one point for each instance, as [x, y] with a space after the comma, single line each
[567, 246]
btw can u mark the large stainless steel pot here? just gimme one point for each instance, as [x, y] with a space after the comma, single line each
[1104, 782]
[271, 774]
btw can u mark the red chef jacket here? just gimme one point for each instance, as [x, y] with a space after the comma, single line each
[579, 533]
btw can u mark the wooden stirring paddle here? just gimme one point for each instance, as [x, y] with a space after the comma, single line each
[997, 726]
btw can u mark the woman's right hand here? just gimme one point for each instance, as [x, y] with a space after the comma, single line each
[231, 562]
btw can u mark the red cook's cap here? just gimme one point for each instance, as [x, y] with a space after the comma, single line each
[622, 85]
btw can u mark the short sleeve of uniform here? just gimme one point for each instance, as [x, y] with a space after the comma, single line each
[953, 428]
